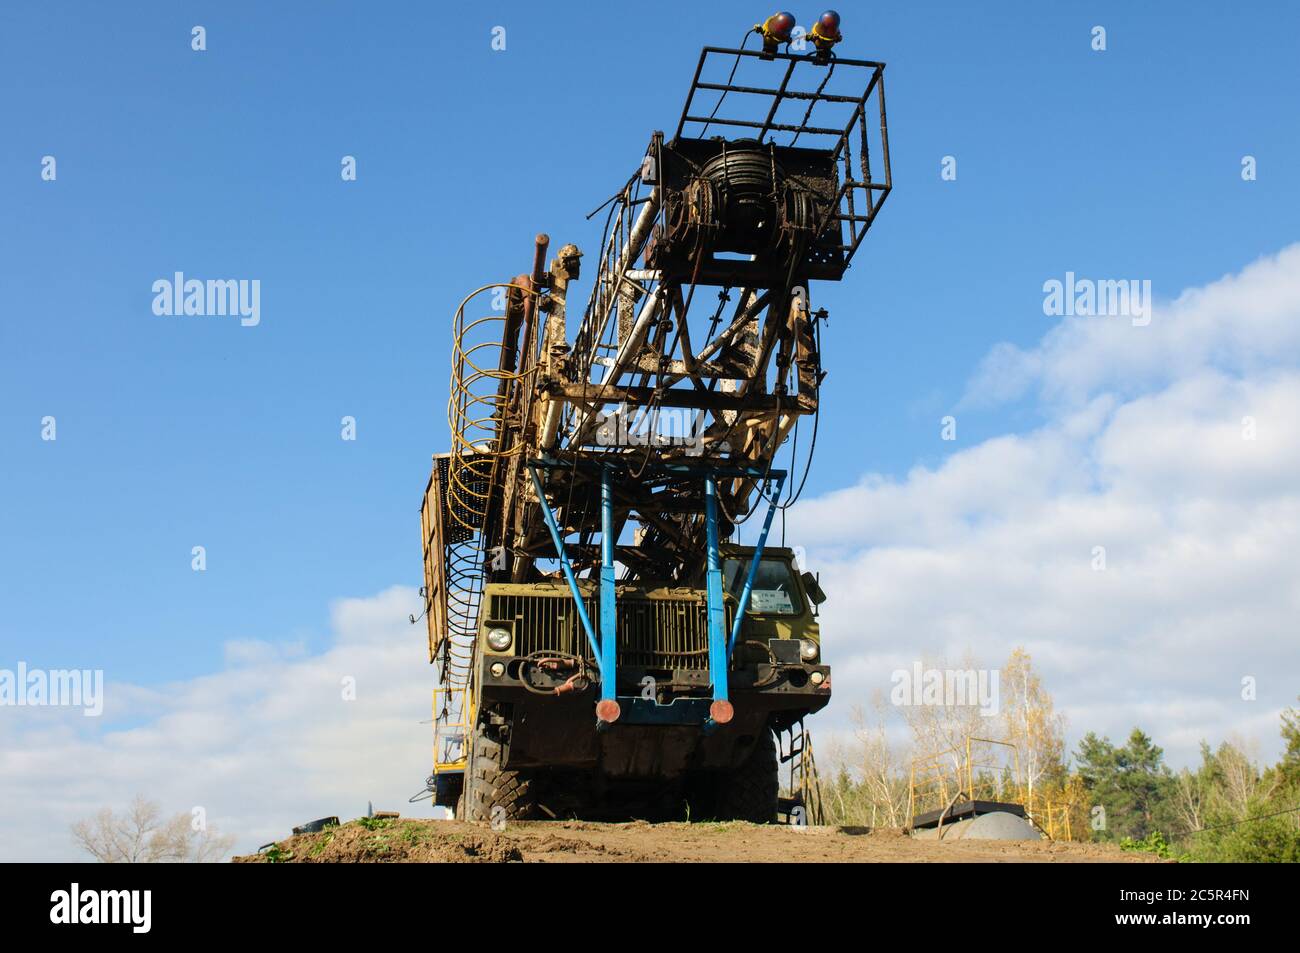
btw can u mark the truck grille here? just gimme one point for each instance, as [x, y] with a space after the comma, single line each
[662, 632]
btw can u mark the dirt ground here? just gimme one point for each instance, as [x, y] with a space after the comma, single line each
[551, 842]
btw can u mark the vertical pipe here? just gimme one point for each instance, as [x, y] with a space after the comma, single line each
[527, 346]
[717, 614]
[608, 595]
[884, 131]
[554, 344]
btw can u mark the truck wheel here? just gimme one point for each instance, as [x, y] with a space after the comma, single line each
[488, 787]
[746, 793]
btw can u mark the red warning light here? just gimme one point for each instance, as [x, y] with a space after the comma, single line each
[826, 32]
[776, 30]
[779, 25]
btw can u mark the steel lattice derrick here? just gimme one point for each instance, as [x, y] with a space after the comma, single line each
[697, 346]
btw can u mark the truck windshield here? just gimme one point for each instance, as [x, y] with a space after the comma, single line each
[774, 588]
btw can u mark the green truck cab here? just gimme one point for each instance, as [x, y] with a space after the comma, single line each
[537, 750]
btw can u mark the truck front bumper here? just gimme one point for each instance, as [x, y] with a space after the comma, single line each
[561, 730]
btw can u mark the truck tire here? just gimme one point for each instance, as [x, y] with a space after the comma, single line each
[749, 793]
[745, 793]
[491, 793]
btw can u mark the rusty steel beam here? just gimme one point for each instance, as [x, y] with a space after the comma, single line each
[691, 399]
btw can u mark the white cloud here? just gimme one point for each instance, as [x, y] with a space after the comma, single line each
[264, 744]
[1144, 452]
[1240, 323]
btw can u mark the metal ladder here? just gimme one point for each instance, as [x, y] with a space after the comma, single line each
[804, 785]
[453, 714]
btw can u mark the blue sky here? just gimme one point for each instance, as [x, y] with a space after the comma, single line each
[181, 432]
[175, 432]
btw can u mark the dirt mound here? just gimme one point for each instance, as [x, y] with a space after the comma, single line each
[371, 840]
[392, 841]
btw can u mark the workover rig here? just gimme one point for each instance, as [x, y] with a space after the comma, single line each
[603, 645]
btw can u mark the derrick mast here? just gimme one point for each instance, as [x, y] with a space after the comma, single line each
[605, 457]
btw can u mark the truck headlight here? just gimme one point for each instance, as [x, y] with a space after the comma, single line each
[499, 640]
[809, 650]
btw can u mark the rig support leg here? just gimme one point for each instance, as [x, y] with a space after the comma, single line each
[608, 605]
[745, 593]
[721, 711]
[565, 565]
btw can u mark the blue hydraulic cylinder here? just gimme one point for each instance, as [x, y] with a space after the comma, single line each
[713, 588]
[608, 593]
[753, 566]
[568, 574]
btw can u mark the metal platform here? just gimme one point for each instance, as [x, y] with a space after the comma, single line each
[833, 124]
